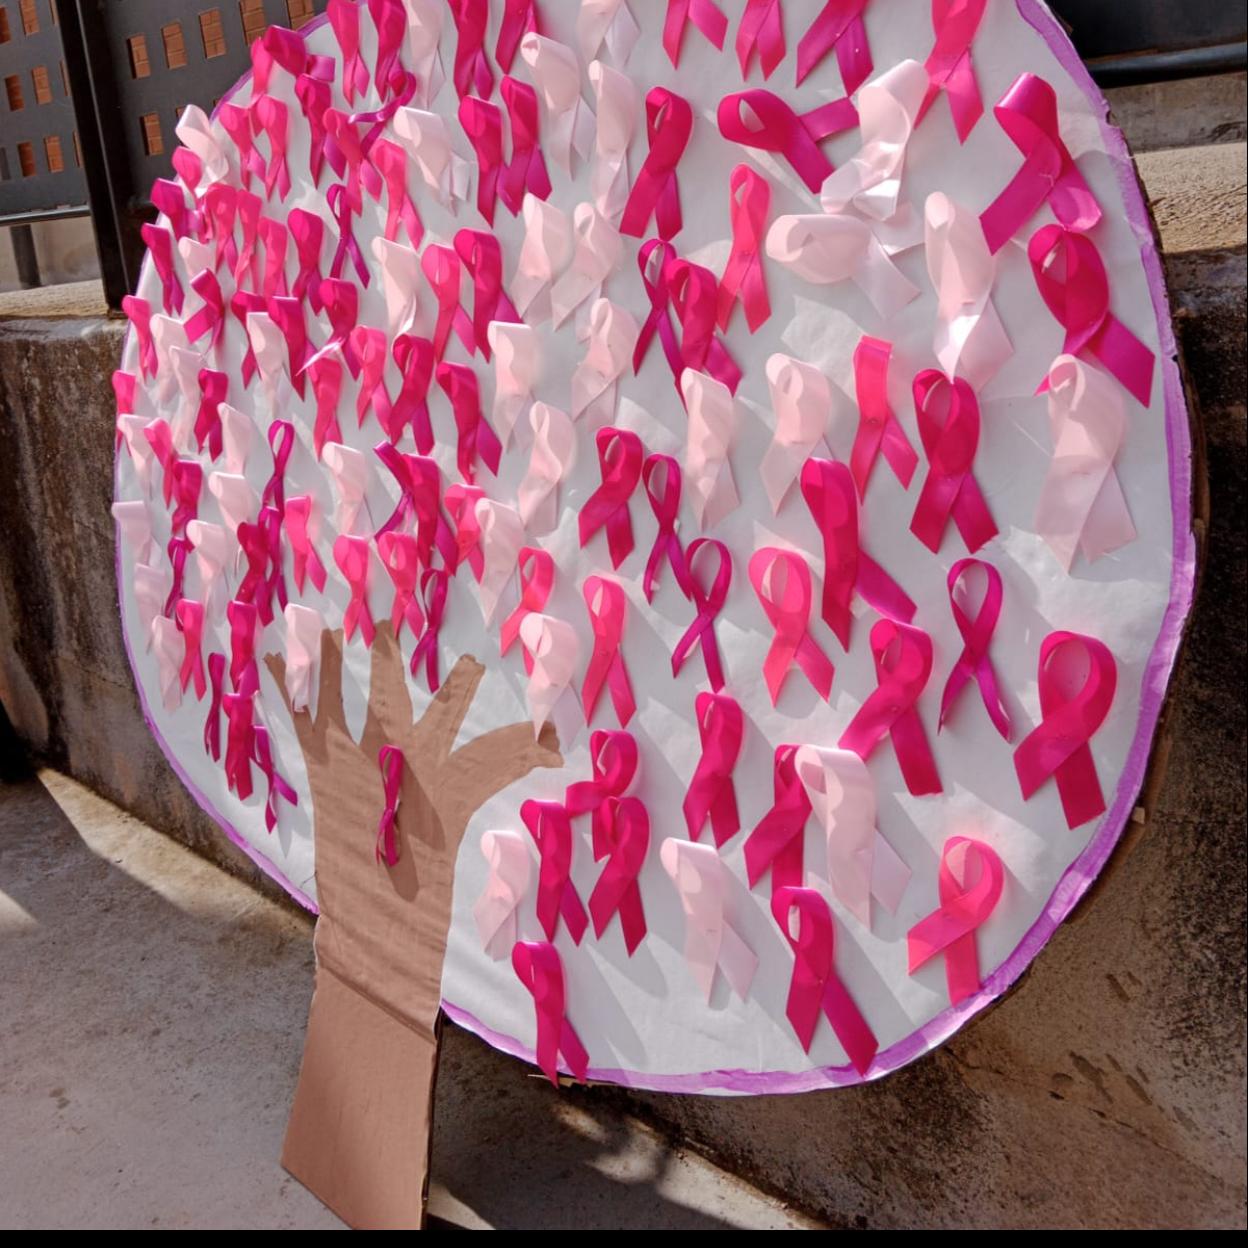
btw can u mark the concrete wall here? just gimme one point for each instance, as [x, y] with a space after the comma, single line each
[1106, 1090]
[65, 249]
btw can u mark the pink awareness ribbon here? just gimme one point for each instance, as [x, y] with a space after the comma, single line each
[139, 313]
[250, 210]
[903, 662]
[212, 724]
[608, 22]
[655, 193]
[352, 557]
[287, 314]
[517, 369]
[597, 248]
[654, 259]
[759, 119]
[169, 200]
[401, 558]
[344, 17]
[214, 548]
[815, 987]
[948, 416]
[970, 882]
[195, 130]
[539, 969]
[274, 239]
[838, 27]
[433, 587]
[372, 351]
[536, 569]
[483, 124]
[878, 427]
[1081, 504]
[187, 476]
[391, 764]
[341, 209]
[613, 757]
[168, 647]
[626, 843]
[711, 432]
[607, 605]
[520, 17]
[1028, 114]
[495, 912]
[190, 618]
[711, 795]
[618, 105]
[661, 476]
[151, 588]
[557, 76]
[1079, 300]
[210, 317]
[948, 65]
[315, 98]
[776, 843]
[244, 621]
[177, 548]
[190, 170]
[427, 138]
[761, 34]
[400, 279]
[973, 662]
[482, 256]
[276, 785]
[475, 439]
[502, 537]
[620, 456]
[708, 602]
[743, 280]
[781, 579]
[555, 651]
[124, 392]
[272, 117]
[135, 522]
[612, 333]
[308, 231]
[240, 741]
[711, 942]
[420, 486]
[159, 242]
[304, 627]
[551, 829]
[349, 470]
[236, 499]
[461, 506]
[546, 248]
[245, 304]
[341, 300]
[213, 387]
[287, 50]
[525, 173]
[801, 401]
[326, 377]
[281, 443]
[707, 16]
[443, 271]
[236, 120]
[158, 436]
[1077, 677]
[254, 588]
[297, 515]
[390, 22]
[550, 461]
[415, 359]
[472, 70]
[390, 160]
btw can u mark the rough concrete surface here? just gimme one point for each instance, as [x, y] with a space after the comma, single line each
[153, 1020]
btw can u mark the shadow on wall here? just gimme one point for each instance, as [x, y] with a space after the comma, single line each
[65, 248]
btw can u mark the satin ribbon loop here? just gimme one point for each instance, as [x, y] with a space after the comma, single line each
[159, 243]
[212, 723]
[781, 579]
[190, 618]
[654, 259]
[655, 193]
[761, 34]
[525, 173]
[472, 70]
[976, 632]
[711, 794]
[442, 269]
[475, 440]
[495, 912]
[415, 359]
[551, 829]
[558, 77]
[539, 969]
[662, 477]
[351, 554]
[626, 840]
[434, 583]
[344, 18]
[272, 117]
[536, 569]
[708, 602]
[213, 387]
[878, 427]
[400, 555]
[706, 15]
[695, 297]
[801, 401]
[607, 605]
[240, 742]
[613, 757]
[139, 313]
[482, 256]
[390, 160]
[709, 480]
[555, 651]
[391, 764]
[483, 124]
[775, 844]
[620, 456]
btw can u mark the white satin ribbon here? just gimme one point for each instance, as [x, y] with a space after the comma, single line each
[609, 351]
[517, 368]
[709, 484]
[801, 400]
[569, 122]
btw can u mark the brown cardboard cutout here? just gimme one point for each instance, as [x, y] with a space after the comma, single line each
[359, 1130]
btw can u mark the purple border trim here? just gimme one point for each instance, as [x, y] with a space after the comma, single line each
[1080, 875]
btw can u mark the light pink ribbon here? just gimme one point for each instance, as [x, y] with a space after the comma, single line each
[546, 248]
[428, 141]
[612, 337]
[196, 256]
[268, 347]
[151, 587]
[214, 548]
[185, 366]
[475, 439]
[707, 16]
[801, 401]
[131, 430]
[495, 911]
[539, 969]
[424, 37]
[838, 27]
[288, 50]
[743, 280]
[711, 942]
[349, 470]
[949, 68]
[195, 130]
[351, 554]
[655, 192]
[973, 663]
[781, 579]
[618, 105]
[168, 647]
[391, 765]
[190, 617]
[620, 456]
[569, 124]
[1081, 504]
[550, 462]
[861, 863]
[551, 829]
[502, 537]
[300, 524]
[304, 627]
[597, 248]
[536, 570]
[168, 336]
[237, 501]
[815, 987]
[709, 482]
[399, 266]
[711, 795]
[610, 23]
[135, 522]
[626, 843]
[607, 605]
[517, 368]
[555, 650]
[878, 427]
[971, 881]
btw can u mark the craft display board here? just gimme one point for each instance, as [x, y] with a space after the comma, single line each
[813, 400]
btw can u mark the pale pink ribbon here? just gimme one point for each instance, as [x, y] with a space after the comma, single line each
[709, 483]
[236, 500]
[268, 345]
[195, 131]
[502, 536]
[861, 863]
[304, 626]
[141, 452]
[612, 335]
[546, 248]
[152, 584]
[169, 649]
[550, 462]
[196, 256]
[969, 339]
[569, 122]
[609, 22]
[711, 942]
[400, 280]
[186, 366]
[349, 469]
[1082, 506]
[801, 399]
[424, 36]
[428, 141]
[237, 430]
[495, 911]
[555, 650]
[135, 522]
[214, 549]
[517, 367]
[618, 107]
[597, 249]
[168, 336]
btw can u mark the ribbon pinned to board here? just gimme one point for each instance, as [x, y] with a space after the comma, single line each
[517, 370]
[276, 785]
[661, 477]
[775, 844]
[525, 173]
[781, 579]
[434, 583]
[743, 279]
[612, 334]
[554, 650]
[948, 65]
[708, 602]
[483, 124]
[351, 554]
[557, 76]
[495, 911]
[475, 441]
[976, 632]
[711, 795]
[190, 617]
[607, 604]
[550, 461]
[878, 427]
[613, 758]
[168, 649]
[801, 401]
[546, 248]
[761, 34]
[617, 105]
[838, 28]
[620, 456]
[551, 829]
[539, 969]
[400, 555]
[304, 628]
[626, 842]
[706, 15]
[300, 524]
[711, 487]
[596, 252]
[391, 764]
[655, 193]
[536, 570]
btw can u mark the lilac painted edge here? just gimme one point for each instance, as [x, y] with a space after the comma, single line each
[1079, 876]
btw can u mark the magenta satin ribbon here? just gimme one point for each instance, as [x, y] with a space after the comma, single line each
[433, 587]
[244, 621]
[551, 830]
[178, 549]
[483, 124]
[828, 488]
[707, 16]
[607, 605]
[708, 602]
[787, 605]
[950, 441]
[210, 318]
[903, 662]
[536, 568]
[415, 358]
[620, 456]
[1028, 114]
[475, 439]
[275, 783]
[340, 208]
[287, 314]
[761, 32]
[187, 479]
[519, 18]
[878, 427]
[342, 308]
[344, 17]
[190, 617]
[160, 438]
[482, 256]
[274, 240]
[220, 204]
[948, 65]
[743, 280]
[308, 231]
[613, 756]
[297, 516]
[442, 271]
[281, 443]
[351, 554]
[1058, 746]
[315, 98]
[775, 844]
[390, 160]
[372, 350]
[472, 70]
[420, 485]
[967, 897]
[236, 120]
[326, 378]
[250, 208]
[815, 986]
[711, 795]
[240, 741]
[659, 318]
[526, 172]
[254, 587]
[1080, 303]
[838, 26]
[390, 22]
[139, 313]
[976, 632]
[213, 389]
[695, 298]
[242, 304]
[794, 136]
[287, 49]
[272, 117]
[159, 242]
[390, 763]
[626, 842]
[212, 724]
[669, 123]
[663, 472]
[169, 200]
[401, 557]
[461, 503]
[538, 967]
[271, 525]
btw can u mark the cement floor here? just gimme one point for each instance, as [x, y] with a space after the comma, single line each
[152, 1013]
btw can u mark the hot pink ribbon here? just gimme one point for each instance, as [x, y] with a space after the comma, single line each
[1028, 114]
[139, 312]
[1070, 714]
[342, 307]
[704, 14]
[271, 117]
[220, 206]
[761, 32]
[550, 461]
[815, 987]
[304, 627]
[288, 50]
[472, 70]
[326, 376]
[661, 477]
[414, 357]
[970, 882]
[654, 259]
[344, 17]
[255, 586]
[240, 742]
[620, 456]
[213, 387]
[708, 603]
[496, 910]
[281, 443]
[461, 506]
[352, 557]
[483, 124]
[950, 441]
[779, 129]
[475, 439]
[878, 427]
[372, 351]
[557, 898]
[390, 21]
[613, 757]
[525, 172]
[776, 843]
[973, 662]
[273, 238]
[626, 842]
[212, 724]
[308, 231]
[743, 280]
[433, 587]
[159, 437]
[401, 557]
[536, 569]
[838, 26]
[781, 579]
[828, 489]
[390, 160]
[903, 662]
[420, 486]
[298, 520]
[276, 785]
[390, 762]
[244, 621]
[340, 208]
[607, 605]
[287, 314]
[695, 297]
[190, 617]
[315, 98]
[711, 795]
[482, 256]
[236, 120]
[669, 123]
[710, 435]
[948, 65]
[1079, 300]
[178, 549]
[187, 476]
[442, 270]
[160, 245]
[540, 971]
[169, 199]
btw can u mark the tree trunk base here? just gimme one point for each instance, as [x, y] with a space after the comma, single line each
[361, 1124]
